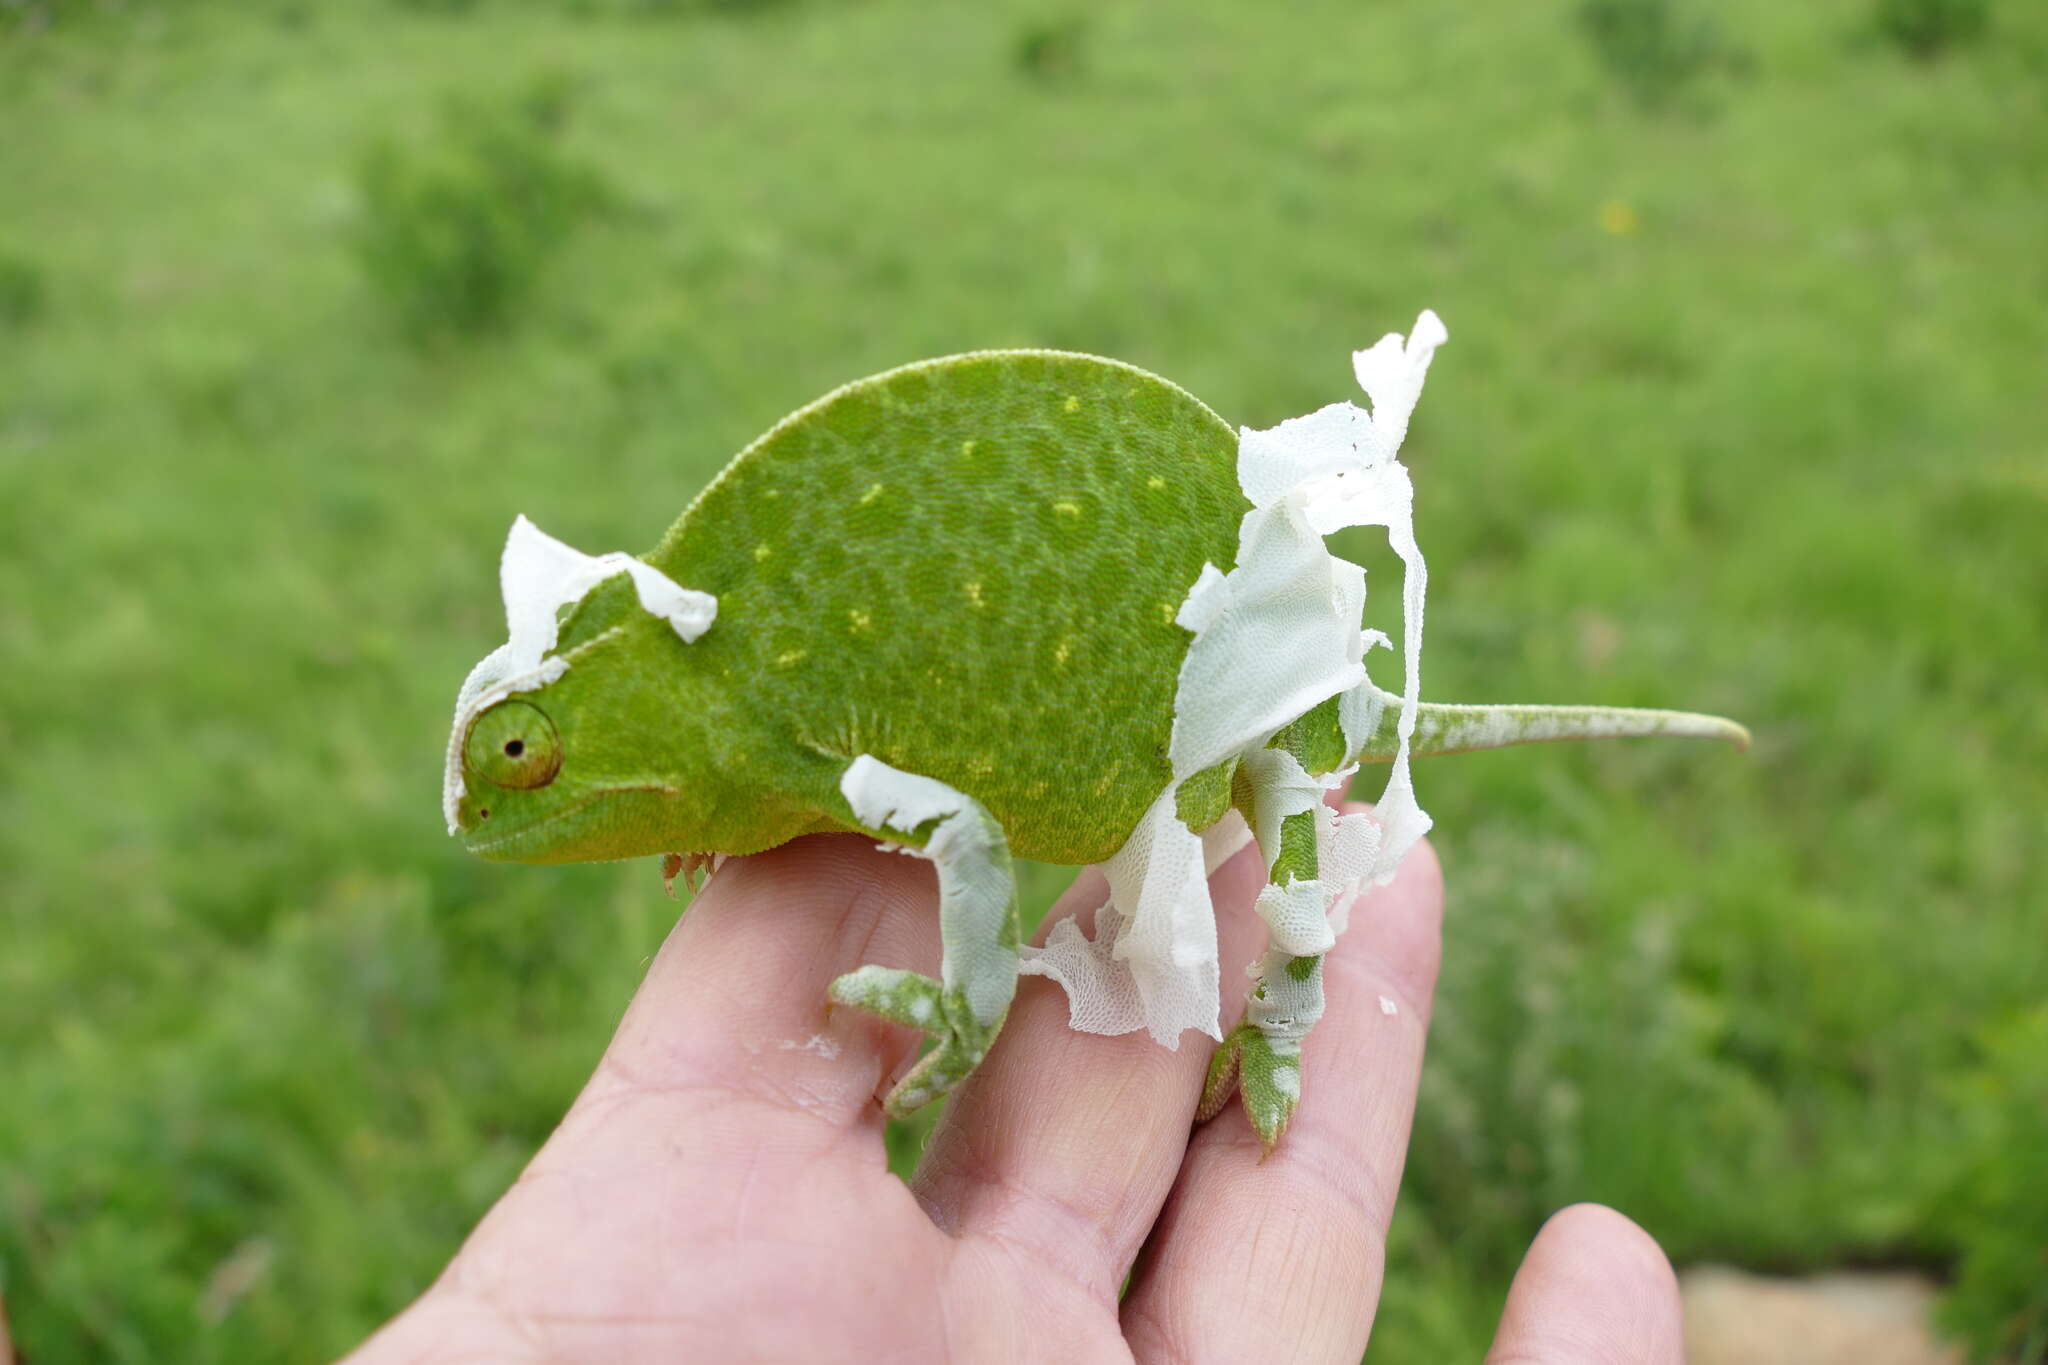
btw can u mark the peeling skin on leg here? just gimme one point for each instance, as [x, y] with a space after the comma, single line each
[1313, 862]
[965, 1007]
[976, 891]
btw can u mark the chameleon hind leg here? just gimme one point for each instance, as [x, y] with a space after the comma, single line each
[963, 1009]
[1260, 1059]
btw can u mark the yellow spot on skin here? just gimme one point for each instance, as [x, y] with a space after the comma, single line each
[1038, 789]
[861, 620]
[791, 657]
[1063, 652]
[1067, 509]
[771, 492]
[871, 495]
[1107, 780]
[1155, 482]
[1618, 219]
[974, 594]
[761, 552]
[967, 447]
[1167, 611]
[983, 765]
[1073, 404]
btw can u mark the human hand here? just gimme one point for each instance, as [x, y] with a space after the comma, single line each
[718, 1191]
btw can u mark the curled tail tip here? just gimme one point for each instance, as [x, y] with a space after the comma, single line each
[1699, 725]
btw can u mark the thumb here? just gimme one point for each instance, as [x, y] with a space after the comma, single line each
[1594, 1289]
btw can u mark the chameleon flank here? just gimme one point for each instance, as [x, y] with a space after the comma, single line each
[1021, 601]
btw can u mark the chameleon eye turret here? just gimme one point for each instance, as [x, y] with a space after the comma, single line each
[513, 744]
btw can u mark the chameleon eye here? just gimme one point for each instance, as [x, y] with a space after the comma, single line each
[513, 744]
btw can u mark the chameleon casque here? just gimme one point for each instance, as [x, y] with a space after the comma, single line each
[1009, 601]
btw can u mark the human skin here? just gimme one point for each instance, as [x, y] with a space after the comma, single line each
[719, 1190]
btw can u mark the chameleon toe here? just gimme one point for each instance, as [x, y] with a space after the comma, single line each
[1265, 1075]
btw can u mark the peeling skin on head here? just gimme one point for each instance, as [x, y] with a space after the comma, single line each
[538, 575]
[1275, 636]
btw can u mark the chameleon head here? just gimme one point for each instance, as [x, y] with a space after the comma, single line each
[558, 751]
[529, 797]
[569, 768]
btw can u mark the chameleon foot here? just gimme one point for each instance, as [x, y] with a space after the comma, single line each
[1265, 1073]
[924, 1004]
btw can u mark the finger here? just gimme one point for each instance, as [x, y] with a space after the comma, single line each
[1594, 1288]
[1063, 1144]
[731, 1046]
[1281, 1259]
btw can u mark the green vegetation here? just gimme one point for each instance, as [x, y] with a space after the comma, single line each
[21, 292]
[455, 233]
[1742, 410]
[1928, 28]
[1656, 50]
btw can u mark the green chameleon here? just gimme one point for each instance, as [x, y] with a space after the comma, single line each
[1010, 601]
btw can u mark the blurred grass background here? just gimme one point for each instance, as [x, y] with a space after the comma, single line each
[1744, 410]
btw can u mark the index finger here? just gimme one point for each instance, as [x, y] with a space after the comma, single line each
[1280, 1258]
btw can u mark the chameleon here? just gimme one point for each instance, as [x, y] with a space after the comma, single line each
[1007, 603]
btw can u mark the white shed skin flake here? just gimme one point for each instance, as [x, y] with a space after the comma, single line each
[1273, 637]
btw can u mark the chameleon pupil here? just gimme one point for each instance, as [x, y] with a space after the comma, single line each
[514, 747]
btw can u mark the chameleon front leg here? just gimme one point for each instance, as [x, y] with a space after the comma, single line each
[1260, 1059]
[964, 1008]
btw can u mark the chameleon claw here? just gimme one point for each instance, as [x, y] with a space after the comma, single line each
[927, 1006]
[1265, 1075]
[688, 866]
[1221, 1082]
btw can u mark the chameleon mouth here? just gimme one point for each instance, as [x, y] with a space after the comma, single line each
[507, 845]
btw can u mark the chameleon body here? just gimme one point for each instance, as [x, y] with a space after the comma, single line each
[955, 607]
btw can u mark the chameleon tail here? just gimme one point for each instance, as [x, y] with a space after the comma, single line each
[1442, 729]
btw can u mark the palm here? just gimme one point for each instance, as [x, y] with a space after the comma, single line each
[719, 1191]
